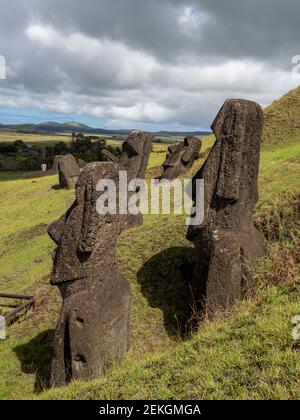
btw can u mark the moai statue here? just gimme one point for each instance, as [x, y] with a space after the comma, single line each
[69, 171]
[134, 160]
[136, 151]
[94, 324]
[181, 158]
[227, 243]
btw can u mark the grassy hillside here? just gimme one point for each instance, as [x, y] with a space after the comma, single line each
[282, 119]
[247, 353]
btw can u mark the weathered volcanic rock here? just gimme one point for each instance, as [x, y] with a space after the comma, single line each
[55, 168]
[107, 156]
[181, 158]
[227, 243]
[94, 324]
[136, 153]
[69, 171]
[135, 157]
[82, 163]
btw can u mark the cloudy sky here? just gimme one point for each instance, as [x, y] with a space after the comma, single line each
[151, 64]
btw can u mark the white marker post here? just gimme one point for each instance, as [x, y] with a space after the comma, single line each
[2, 328]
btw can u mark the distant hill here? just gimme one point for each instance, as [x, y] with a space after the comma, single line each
[282, 119]
[52, 127]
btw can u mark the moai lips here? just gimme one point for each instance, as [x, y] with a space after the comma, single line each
[94, 324]
[227, 242]
[181, 158]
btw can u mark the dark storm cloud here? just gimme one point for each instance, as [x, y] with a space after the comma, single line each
[264, 29]
[163, 61]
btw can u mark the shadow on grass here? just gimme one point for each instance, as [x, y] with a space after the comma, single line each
[35, 358]
[56, 187]
[165, 281]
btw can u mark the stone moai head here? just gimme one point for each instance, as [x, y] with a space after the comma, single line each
[230, 172]
[134, 159]
[238, 130]
[181, 158]
[136, 153]
[85, 238]
[68, 171]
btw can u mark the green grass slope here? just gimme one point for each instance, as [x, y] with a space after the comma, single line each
[247, 353]
[282, 119]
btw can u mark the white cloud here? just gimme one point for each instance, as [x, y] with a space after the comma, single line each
[159, 62]
[191, 20]
[117, 63]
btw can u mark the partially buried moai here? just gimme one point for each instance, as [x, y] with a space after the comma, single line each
[227, 242]
[94, 324]
[135, 157]
[134, 160]
[181, 158]
[68, 170]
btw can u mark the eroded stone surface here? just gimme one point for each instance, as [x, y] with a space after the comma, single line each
[55, 163]
[181, 158]
[134, 160]
[94, 324]
[227, 243]
[68, 171]
[135, 157]
[107, 156]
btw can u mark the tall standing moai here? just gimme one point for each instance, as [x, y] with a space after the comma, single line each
[181, 158]
[227, 242]
[94, 325]
[68, 170]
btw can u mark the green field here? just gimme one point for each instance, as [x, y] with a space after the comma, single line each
[247, 353]
[48, 140]
[44, 139]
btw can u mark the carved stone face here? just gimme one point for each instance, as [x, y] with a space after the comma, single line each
[136, 152]
[231, 169]
[181, 158]
[84, 237]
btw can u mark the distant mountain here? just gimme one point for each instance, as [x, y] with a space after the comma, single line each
[282, 119]
[52, 127]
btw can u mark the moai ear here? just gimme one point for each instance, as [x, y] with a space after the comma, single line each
[229, 128]
[90, 219]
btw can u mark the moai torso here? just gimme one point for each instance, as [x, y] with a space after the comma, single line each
[93, 328]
